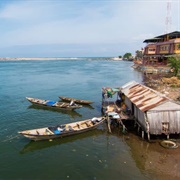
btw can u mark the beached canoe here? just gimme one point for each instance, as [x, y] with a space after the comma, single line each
[54, 104]
[48, 133]
[78, 101]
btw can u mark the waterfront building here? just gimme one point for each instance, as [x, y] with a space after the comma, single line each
[154, 113]
[159, 48]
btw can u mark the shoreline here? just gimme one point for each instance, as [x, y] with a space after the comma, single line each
[37, 58]
[57, 58]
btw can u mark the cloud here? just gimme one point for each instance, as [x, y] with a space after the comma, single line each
[79, 22]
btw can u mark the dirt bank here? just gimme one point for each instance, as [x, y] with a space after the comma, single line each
[168, 86]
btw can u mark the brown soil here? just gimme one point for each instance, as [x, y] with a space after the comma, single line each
[168, 86]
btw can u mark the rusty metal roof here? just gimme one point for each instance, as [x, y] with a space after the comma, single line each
[143, 97]
[167, 106]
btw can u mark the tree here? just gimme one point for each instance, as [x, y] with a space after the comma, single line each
[127, 56]
[139, 54]
[174, 63]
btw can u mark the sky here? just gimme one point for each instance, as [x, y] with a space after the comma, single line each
[82, 28]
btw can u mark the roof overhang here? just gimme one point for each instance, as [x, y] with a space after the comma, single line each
[143, 97]
[172, 35]
[152, 40]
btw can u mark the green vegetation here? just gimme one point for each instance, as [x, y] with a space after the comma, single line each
[139, 54]
[127, 56]
[174, 63]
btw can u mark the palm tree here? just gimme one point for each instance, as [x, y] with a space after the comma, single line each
[174, 63]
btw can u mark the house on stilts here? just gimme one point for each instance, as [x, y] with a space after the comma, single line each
[154, 113]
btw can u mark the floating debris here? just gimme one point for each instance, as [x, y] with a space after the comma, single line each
[168, 144]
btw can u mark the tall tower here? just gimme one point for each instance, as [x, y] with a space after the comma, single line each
[168, 18]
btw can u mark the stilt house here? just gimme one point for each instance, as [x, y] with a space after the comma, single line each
[154, 113]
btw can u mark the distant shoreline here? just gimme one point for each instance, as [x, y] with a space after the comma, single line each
[35, 58]
[58, 58]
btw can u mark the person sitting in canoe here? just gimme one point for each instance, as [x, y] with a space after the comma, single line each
[72, 103]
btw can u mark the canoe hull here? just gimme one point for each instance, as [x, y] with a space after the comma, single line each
[52, 104]
[70, 129]
[78, 101]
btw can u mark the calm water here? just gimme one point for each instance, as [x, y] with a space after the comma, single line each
[93, 155]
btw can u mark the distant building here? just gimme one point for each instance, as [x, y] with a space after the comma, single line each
[116, 58]
[159, 48]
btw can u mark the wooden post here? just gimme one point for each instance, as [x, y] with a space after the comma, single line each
[124, 127]
[148, 136]
[143, 134]
[109, 124]
[138, 128]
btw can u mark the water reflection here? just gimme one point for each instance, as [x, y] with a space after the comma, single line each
[39, 145]
[71, 113]
[151, 157]
[88, 106]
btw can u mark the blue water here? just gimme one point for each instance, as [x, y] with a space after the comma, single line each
[92, 155]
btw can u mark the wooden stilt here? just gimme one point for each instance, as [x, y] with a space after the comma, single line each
[138, 129]
[123, 126]
[109, 124]
[142, 134]
[148, 136]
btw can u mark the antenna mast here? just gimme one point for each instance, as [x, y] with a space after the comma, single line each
[168, 18]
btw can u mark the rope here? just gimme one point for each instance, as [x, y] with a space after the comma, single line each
[10, 138]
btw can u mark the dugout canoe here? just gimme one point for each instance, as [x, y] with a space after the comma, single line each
[53, 104]
[78, 101]
[63, 130]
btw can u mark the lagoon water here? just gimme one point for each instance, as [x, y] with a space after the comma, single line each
[93, 155]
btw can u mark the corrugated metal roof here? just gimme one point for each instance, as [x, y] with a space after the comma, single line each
[145, 98]
[167, 106]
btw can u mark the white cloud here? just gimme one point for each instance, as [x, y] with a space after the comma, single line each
[93, 22]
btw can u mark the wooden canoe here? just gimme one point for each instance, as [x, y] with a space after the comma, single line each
[53, 104]
[62, 130]
[78, 101]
